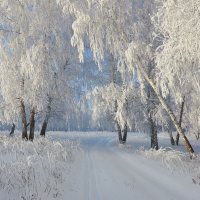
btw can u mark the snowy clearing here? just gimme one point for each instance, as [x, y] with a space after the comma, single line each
[92, 166]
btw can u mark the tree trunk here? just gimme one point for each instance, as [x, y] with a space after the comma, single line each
[43, 129]
[150, 110]
[171, 138]
[180, 120]
[154, 137]
[187, 144]
[170, 130]
[119, 133]
[46, 120]
[119, 130]
[32, 125]
[125, 131]
[23, 118]
[45, 123]
[12, 129]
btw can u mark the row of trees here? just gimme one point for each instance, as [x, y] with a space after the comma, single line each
[41, 75]
[147, 52]
[154, 46]
[35, 53]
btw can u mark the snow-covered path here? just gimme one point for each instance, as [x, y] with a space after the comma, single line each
[103, 171]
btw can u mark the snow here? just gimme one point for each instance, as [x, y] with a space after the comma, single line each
[33, 170]
[104, 170]
[97, 168]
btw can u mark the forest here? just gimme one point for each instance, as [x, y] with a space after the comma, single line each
[121, 66]
[101, 65]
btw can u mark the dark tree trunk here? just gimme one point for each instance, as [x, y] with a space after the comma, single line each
[125, 132]
[32, 125]
[46, 120]
[43, 129]
[171, 138]
[23, 118]
[170, 130]
[12, 129]
[154, 136]
[155, 139]
[167, 108]
[150, 110]
[119, 131]
[180, 120]
[170, 125]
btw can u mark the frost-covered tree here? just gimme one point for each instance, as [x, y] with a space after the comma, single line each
[14, 77]
[111, 26]
[15, 42]
[119, 101]
[177, 59]
[117, 27]
[143, 54]
[88, 15]
[106, 100]
[34, 59]
[49, 56]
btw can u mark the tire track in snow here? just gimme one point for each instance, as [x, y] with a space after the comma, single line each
[93, 192]
[93, 181]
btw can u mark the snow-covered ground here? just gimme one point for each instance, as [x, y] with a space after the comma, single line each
[95, 167]
[34, 170]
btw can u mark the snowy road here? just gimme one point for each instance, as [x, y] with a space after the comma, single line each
[103, 171]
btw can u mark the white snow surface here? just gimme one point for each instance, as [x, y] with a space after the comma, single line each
[104, 170]
[97, 168]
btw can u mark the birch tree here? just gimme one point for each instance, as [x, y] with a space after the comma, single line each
[177, 25]
[34, 59]
[16, 41]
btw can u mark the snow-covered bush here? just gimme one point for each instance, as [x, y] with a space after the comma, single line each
[33, 170]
